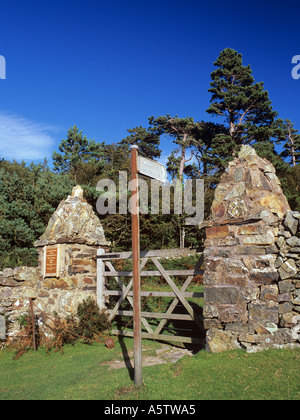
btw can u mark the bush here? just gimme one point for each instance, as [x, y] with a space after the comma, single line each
[92, 322]
[89, 326]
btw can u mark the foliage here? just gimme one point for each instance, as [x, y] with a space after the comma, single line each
[75, 152]
[146, 139]
[63, 333]
[182, 131]
[28, 197]
[91, 322]
[291, 187]
[291, 141]
[88, 326]
[243, 104]
[22, 341]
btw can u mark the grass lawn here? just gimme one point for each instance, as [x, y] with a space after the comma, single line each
[82, 372]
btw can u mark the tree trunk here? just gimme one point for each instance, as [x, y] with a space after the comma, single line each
[182, 235]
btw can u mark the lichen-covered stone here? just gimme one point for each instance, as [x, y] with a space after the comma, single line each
[249, 188]
[74, 221]
[218, 341]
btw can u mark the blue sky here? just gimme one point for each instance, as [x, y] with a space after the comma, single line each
[107, 66]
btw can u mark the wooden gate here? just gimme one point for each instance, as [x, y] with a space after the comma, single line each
[114, 293]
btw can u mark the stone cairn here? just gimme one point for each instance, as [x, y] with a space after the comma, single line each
[251, 261]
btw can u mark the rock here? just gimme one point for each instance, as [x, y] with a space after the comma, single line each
[285, 297]
[261, 312]
[293, 241]
[217, 232]
[221, 294]
[285, 307]
[288, 269]
[291, 223]
[237, 208]
[74, 221]
[264, 277]
[250, 250]
[29, 275]
[269, 293]
[279, 261]
[274, 203]
[264, 337]
[286, 286]
[238, 190]
[246, 151]
[218, 341]
[262, 239]
[77, 192]
[8, 272]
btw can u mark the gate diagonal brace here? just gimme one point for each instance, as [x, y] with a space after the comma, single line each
[178, 293]
[125, 291]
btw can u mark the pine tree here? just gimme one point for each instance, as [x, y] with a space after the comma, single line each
[75, 151]
[28, 197]
[147, 141]
[244, 105]
[182, 130]
[291, 139]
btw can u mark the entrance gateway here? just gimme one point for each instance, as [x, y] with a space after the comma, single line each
[179, 295]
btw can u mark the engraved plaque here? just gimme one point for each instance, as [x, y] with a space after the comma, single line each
[51, 262]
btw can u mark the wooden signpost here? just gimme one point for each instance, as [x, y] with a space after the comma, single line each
[157, 171]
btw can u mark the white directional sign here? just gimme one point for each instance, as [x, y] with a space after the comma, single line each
[152, 169]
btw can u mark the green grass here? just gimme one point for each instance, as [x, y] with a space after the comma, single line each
[80, 374]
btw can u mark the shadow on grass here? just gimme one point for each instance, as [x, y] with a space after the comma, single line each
[126, 356]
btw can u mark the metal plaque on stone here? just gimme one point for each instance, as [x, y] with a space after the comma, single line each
[51, 261]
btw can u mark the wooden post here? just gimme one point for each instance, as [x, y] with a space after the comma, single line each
[136, 268]
[100, 280]
[33, 324]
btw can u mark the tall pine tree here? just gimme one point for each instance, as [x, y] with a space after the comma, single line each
[244, 105]
[291, 138]
[75, 151]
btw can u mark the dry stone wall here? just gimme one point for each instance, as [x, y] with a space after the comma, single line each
[288, 265]
[250, 259]
[17, 286]
[67, 270]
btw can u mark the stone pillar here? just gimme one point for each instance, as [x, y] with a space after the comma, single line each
[240, 274]
[68, 257]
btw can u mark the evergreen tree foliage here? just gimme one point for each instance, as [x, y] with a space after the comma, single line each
[146, 139]
[291, 141]
[28, 197]
[76, 151]
[182, 131]
[243, 104]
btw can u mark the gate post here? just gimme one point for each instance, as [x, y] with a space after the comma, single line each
[240, 275]
[100, 281]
